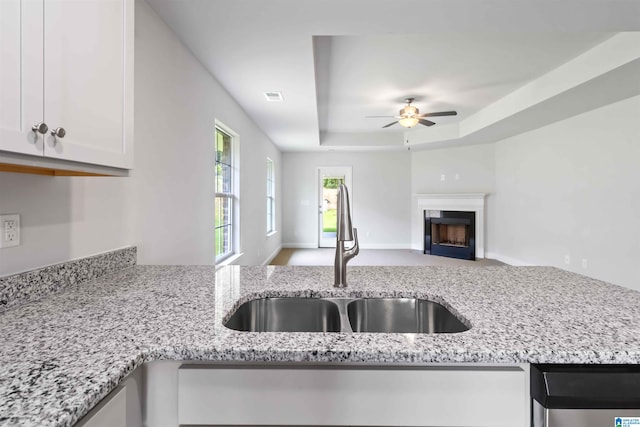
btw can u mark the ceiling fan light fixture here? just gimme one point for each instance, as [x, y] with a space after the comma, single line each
[408, 122]
[409, 116]
[409, 110]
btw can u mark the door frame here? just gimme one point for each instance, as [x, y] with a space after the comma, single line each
[329, 171]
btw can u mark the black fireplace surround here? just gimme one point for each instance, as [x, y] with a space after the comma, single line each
[464, 247]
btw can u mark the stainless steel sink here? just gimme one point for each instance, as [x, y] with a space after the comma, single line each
[286, 315]
[402, 315]
[393, 315]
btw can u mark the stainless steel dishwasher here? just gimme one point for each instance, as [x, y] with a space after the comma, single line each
[585, 396]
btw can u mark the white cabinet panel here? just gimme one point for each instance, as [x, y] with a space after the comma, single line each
[21, 68]
[121, 408]
[111, 412]
[426, 396]
[86, 56]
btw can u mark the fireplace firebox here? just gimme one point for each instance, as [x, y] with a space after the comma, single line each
[452, 234]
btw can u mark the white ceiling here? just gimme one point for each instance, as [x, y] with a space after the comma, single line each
[336, 61]
[372, 75]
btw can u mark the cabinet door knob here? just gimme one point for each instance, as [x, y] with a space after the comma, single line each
[40, 128]
[59, 132]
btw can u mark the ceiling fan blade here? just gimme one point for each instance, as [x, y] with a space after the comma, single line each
[375, 117]
[390, 124]
[426, 122]
[440, 114]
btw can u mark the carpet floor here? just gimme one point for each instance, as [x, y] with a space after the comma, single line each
[325, 256]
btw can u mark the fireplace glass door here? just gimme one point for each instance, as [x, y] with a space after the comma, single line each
[456, 235]
[451, 234]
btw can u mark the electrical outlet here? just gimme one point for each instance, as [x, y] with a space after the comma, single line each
[9, 230]
[567, 259]
[584, 263]
[443, 177]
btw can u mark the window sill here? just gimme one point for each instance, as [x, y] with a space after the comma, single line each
[273, 233]
[229, 261]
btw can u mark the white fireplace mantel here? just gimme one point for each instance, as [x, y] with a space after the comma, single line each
[469, 202]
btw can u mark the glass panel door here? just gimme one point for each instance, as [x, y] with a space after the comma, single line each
[329, 180]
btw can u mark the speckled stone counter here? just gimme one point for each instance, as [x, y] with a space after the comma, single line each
[62, 354]
[33, 285]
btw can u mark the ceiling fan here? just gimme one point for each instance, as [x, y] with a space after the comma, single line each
[410, 116]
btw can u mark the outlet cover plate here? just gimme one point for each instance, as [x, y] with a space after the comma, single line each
[9, 230]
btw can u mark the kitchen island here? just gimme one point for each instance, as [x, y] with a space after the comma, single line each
[63, 354]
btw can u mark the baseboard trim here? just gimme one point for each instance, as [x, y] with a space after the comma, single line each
[272, 256]
[362, 245]
[508, 260]
[385, 245]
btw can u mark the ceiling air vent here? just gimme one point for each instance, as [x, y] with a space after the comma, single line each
[274, 96]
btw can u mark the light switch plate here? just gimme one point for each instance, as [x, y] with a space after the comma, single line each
[9, 230]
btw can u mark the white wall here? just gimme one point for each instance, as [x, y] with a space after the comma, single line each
[573, 188]
[177, 103]
[380, 197]
[64, 218]
[466, 170]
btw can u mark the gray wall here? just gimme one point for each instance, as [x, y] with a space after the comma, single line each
[390, 176]
[64, 218]
[466, 170]
[177, 103]
[573, 188]
[474, 166]
[381, 197]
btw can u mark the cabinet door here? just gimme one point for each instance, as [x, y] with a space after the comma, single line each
[443, 396]
[21, 61]
[111, 412]
[88, 80]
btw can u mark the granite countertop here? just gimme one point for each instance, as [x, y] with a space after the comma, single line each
[64, 353]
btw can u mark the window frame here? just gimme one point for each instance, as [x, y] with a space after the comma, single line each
[232, 195]
[271, 197]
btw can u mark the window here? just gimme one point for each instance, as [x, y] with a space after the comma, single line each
[226, 205]
[271, 197]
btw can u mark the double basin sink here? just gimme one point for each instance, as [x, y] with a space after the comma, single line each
[391, 315]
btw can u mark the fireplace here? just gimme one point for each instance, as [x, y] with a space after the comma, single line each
[427, 205]
[450, 233]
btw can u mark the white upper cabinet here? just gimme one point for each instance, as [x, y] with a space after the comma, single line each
[21, 68]
[78, 81]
